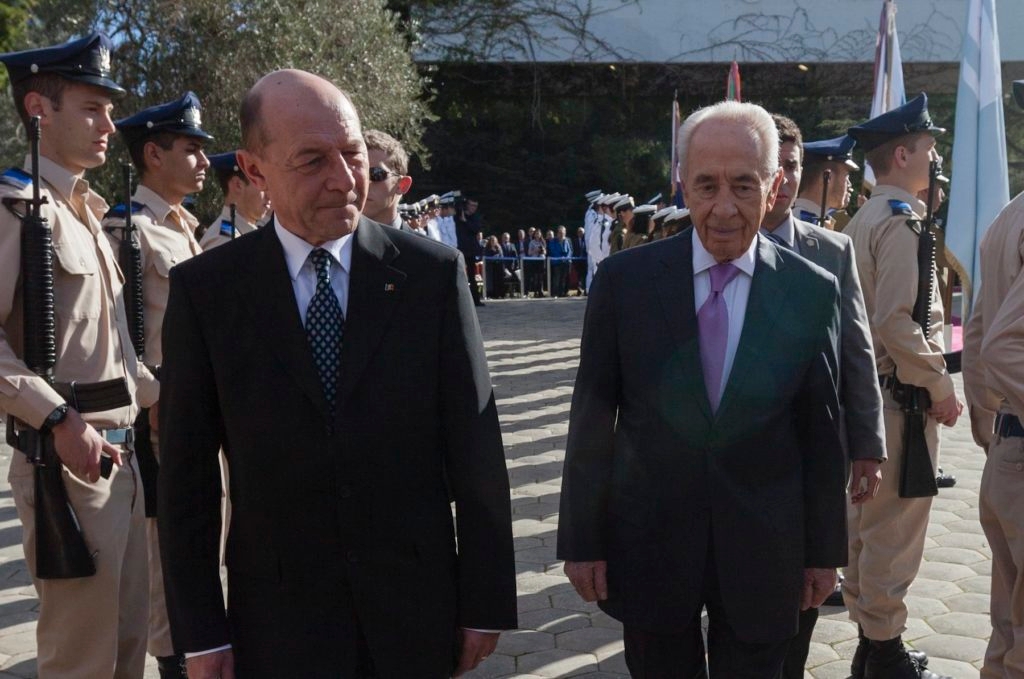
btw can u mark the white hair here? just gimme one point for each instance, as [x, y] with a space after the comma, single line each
[757, 120]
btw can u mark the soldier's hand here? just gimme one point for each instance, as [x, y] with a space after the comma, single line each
[947, 410]
[216, 665]
[865, 477]
[80, 447]
[590, 578]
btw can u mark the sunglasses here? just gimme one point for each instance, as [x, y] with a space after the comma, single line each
[379, 174]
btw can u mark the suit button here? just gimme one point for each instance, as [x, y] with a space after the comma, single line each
[351, 556]
[345, 492]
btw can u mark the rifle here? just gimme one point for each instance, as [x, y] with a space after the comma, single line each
[826, 178]
[917, 476]
[61, 551]
[232, 221]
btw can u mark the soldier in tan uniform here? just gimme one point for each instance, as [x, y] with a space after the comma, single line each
[166, 146]
[836, 156]
[994, 386]
[887, 535]
[93, 626]
[251, 203]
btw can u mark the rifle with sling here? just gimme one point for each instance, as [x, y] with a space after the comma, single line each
[917, 475]
[233, 221]
[60, 547]
[826, 178]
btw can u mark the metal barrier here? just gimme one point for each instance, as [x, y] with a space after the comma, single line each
[520, 272]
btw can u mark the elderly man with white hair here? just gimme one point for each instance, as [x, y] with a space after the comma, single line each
[704, 469]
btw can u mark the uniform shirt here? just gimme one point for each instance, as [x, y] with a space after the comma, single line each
[807, 210]
[213, 235]
[93, 343]
[433, 230]
[165, 235]
[736, 294]
[886, 252]
[446, 225]
[993, 365]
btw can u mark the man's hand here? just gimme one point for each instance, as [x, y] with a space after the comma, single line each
[216, 665]
[818, 584]
[947, 410]
[865, 478]
[590, 578]
[474, 647]
[79, 447]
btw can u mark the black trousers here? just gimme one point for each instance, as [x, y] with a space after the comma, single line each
[651, 654]
[799, 646]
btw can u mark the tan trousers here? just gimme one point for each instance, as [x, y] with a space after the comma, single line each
[887, 539]
[94, 627]
[1002, 518]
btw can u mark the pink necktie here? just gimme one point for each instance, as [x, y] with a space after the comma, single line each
[713, 320]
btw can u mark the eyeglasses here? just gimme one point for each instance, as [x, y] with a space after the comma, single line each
[379, 174]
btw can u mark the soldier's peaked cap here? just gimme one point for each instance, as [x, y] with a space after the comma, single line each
[85, 60]
[224, 162]
[181, 116]
[910, 118]
[839, 149]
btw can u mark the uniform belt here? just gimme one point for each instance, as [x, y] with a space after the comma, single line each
[119, 437]
[1008, 426]
[95, 397]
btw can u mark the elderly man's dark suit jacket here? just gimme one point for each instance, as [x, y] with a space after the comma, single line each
[652, 477]
[342, 516]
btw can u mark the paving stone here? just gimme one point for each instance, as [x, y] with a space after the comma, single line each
[833, 631]
[950, 572]
[971, 602]
[553, 620]
[557, 663]
[521, 642]
[926, 587]
[840, 669]
[924, 607]
[955, 555]
[495, 666]
[979, 584]
[976, 625]
[951, 646]
[601, 642]
[959, 538]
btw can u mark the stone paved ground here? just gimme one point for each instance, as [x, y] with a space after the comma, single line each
[533, 350]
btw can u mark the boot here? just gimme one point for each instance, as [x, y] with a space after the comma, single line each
[890, 660]
[860, 656]
[171, 667]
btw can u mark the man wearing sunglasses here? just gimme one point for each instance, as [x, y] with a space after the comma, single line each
[388, 179]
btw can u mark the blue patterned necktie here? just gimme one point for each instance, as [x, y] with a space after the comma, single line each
[325, 325]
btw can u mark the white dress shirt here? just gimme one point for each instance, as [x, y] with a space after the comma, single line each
[735, 294]
[303, 273]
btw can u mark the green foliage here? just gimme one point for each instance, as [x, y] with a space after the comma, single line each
[219, 49]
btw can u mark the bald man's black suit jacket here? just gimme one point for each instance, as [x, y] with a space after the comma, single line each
[339, 519]
[654, 479]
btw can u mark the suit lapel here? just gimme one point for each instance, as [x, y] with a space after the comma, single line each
[266, 289]
[674, 289]
[806, 242]
[767, 289]
[375, 287]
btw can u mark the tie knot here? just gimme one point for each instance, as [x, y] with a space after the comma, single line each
[721, 274]
[322, 263]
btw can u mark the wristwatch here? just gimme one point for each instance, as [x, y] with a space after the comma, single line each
[59, 414]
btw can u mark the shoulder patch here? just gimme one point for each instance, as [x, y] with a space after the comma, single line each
[16, 177]
[118, 211]
[809, 217]
[226, 228]
[900, 207]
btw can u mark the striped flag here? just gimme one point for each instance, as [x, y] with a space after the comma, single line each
[677, 187]
[732, 85]
[980, 185]
[889, 90]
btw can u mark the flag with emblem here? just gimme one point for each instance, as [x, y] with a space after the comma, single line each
[980, 187]
[732, 84]
[677, 186]
[889, 91]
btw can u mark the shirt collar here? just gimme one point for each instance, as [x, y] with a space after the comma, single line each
[242, 225]
[296, 250]
[785, 230]
[67, 184]
[161, 208]
[703, 260]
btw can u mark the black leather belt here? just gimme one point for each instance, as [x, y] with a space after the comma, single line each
[95, 397]
[1008, 426]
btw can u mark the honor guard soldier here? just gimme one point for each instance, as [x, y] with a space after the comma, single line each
[620, 227]
[446, 222]
[906, 317]
[592, 231]
[244, 204]
[994, 386]
[166, 146]
[81, 401]
[832, 156]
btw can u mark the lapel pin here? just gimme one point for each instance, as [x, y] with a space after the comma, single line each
[389, 287]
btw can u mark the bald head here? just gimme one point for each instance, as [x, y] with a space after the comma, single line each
[284, 91]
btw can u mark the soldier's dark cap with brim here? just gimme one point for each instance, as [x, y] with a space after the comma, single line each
[225, 163]
[839, 149]
[1018, 92]
[181, 116]
[910, 118]
[84, 60]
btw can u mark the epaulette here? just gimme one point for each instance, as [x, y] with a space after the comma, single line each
[226, 228]
[118, 211]
[900, 207]
[809, 217]
[16, 177]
